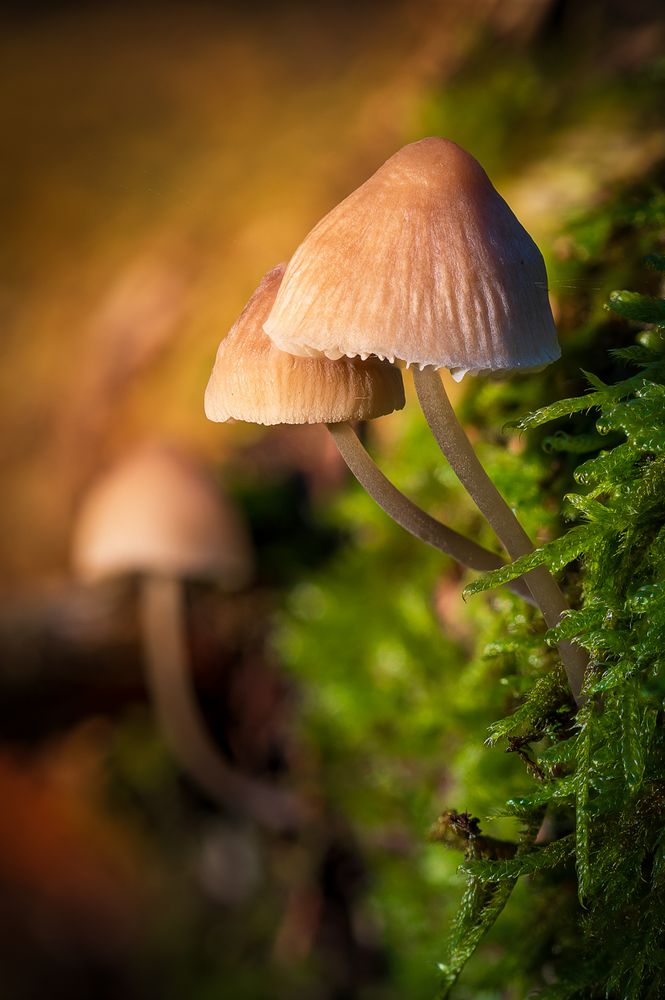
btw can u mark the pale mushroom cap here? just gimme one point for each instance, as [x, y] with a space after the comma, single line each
[424, 263]
[252, 380]
[160, 512]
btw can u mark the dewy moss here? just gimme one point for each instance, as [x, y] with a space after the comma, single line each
[588, 795]
[609, 769]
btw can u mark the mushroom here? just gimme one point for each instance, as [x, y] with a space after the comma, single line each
[160, 515]
[426, 264]
[254, 381]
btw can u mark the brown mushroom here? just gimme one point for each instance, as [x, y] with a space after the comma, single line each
[252, 380]
[426, 264]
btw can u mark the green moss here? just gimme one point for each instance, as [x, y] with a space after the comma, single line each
[415, 715]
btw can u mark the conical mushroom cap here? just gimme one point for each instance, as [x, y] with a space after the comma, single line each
[424, 263]
[252, 380]
[160, 512]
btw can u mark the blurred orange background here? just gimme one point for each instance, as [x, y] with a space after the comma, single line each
[158, 158]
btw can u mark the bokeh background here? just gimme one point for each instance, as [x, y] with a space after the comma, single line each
[157, 159]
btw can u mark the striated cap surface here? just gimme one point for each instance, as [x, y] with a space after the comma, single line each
[424, 263]
[254, 381]
[160, 512]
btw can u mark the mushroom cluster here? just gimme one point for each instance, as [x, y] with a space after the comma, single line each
[424, 265]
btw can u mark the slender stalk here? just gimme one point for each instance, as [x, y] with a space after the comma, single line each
[410, 516]
[456, 447]
[180, 719]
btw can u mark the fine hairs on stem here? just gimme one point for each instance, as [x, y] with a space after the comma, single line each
[181, 721]
[456, 447]
[409, 515]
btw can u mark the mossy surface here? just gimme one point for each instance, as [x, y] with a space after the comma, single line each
[422, 705]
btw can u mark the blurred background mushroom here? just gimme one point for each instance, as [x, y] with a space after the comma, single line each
[160, 516]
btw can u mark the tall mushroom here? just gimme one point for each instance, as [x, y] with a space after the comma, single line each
[426, 264]
[254, 381]
[159, 515]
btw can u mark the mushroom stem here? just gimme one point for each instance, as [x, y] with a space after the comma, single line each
[409, 516]
[456, 447]
[181, 721]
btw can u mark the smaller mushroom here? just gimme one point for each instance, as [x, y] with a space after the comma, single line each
[254, 381]
[159, 515]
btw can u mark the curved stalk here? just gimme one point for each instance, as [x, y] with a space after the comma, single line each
[456, 447]
[180, 719]
[410, 516]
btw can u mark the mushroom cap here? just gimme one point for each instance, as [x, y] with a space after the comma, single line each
[160, 512]
[252, 380]
[424, 263]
